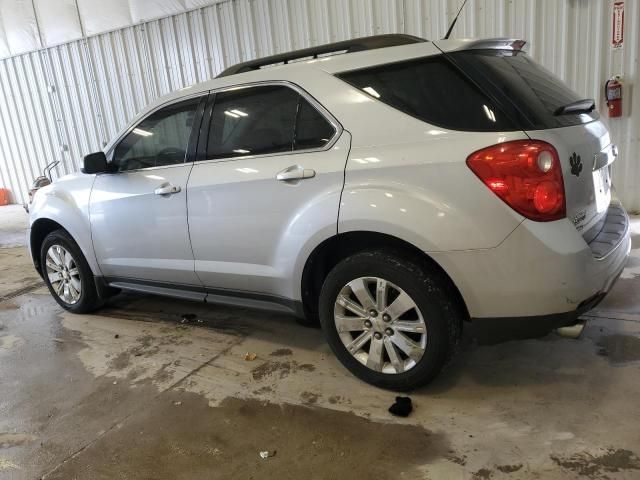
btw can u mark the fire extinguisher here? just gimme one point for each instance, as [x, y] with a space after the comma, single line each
[613, 94]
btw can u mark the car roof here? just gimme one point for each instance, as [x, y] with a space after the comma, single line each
[346, 46]
[333, 58]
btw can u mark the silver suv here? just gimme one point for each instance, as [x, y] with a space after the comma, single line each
[388, 187]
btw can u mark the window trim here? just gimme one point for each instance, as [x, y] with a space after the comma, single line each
[190, 151]
[326, 114]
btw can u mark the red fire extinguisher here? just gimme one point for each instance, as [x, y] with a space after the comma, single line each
[613, 94]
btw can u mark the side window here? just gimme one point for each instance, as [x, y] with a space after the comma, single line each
[312, 129]
[434, 91]
[160, 139]
[252, 121]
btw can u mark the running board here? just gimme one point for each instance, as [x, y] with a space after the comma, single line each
[216, 296]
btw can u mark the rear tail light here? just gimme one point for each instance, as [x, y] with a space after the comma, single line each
[526, 175]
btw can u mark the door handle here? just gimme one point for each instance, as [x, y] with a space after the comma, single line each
[167, 190]
[295, 172]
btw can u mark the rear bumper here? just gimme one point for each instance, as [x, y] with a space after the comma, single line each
[501, 329]
[543, 274]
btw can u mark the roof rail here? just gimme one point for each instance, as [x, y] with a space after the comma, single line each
[347, 46]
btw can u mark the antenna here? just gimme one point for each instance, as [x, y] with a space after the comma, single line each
[453, 24]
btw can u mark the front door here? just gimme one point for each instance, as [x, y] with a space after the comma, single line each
[139, 213]
[271, 179]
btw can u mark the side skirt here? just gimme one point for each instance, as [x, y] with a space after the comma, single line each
[236, 298]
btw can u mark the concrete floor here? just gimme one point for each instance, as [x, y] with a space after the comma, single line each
[132, 392]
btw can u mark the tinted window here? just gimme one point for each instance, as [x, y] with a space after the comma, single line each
[160, 139]
[433, 90]
[530, 88]
[252, 121]
[312, 129]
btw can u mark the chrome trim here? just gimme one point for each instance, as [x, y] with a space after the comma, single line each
[605, 157]
[600, 159]
[158, 167]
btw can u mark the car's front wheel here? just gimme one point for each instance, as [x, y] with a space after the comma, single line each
[67, 273]
[389, 320]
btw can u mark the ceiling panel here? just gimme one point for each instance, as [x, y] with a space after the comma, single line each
[58, 21]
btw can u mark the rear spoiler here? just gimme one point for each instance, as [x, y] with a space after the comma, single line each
[511, 44]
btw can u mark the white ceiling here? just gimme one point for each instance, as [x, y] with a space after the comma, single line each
[27, 25]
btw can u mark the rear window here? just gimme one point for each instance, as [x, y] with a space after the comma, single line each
[312, 129]
[433, 90]
[527, 91]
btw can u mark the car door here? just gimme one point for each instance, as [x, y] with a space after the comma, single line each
[139, 212]
[270, 179]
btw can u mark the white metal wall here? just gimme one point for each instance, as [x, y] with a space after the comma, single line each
[27, 25]
[66, 101]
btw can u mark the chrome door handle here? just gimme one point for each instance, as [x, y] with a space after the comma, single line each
[295, 172]
[167, 190]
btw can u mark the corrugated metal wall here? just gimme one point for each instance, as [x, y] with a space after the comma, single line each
[66, 101]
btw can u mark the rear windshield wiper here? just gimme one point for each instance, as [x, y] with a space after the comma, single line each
[581, 106]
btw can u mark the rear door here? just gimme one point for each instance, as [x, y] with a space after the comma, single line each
[531, 95]
[270, 179]
[139, 212]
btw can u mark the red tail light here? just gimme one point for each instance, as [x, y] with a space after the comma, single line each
[526, 175]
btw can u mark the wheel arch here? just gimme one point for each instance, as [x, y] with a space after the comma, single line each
[43, 226]
[39, 231]
[334, 249]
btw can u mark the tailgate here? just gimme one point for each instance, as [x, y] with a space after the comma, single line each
[536, 99]
[586, 154]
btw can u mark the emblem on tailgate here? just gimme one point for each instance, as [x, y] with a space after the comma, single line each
[578, 219]
[576, 164]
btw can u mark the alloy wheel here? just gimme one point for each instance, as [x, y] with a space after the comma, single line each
[64, 276]
[380, 325]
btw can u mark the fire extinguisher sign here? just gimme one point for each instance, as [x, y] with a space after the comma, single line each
[617, 38]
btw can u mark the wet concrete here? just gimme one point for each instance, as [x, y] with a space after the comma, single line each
[620, 349]
[141, 390]
[182, 437]
[597, 465]
[17, 275]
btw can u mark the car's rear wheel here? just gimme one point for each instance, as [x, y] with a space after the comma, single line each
[388, 319]
[67, 273]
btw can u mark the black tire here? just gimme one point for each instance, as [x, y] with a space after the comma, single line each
[88, 300]
[429, 291]
[310, 319]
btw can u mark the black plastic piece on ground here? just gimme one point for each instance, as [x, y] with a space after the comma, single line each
[402, 407]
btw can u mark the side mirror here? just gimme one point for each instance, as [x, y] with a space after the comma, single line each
[95, 163]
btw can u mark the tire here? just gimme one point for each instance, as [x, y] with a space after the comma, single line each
[432, 323]
[310, 319]
[73, 270]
